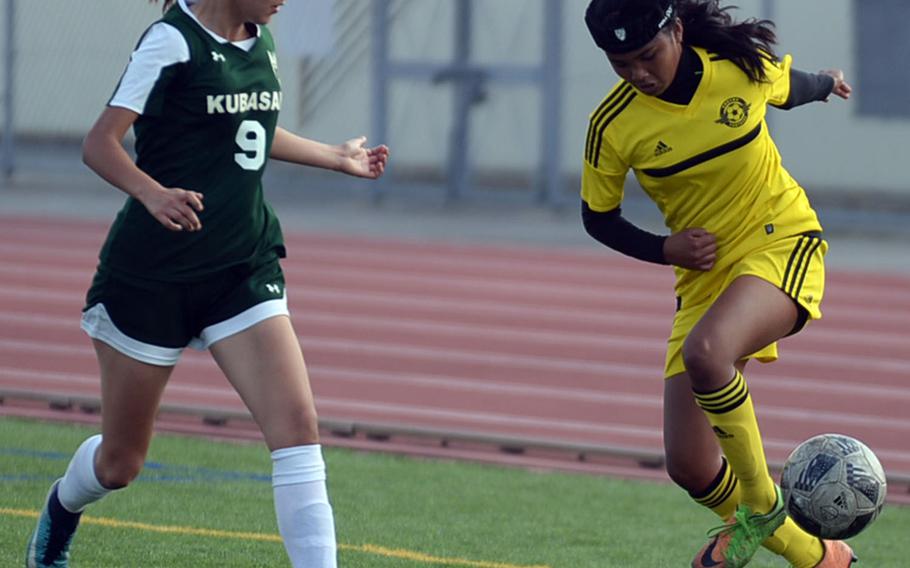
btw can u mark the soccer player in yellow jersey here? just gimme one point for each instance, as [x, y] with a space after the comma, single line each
[688, 118]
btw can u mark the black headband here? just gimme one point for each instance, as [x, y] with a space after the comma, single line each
[621, 26]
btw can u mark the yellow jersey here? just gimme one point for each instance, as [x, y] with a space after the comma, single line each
[710, 163]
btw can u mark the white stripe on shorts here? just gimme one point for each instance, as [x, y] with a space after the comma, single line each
[96, 322]
[240, 322]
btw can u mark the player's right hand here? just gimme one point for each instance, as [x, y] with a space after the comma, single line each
[174, 208]
[695, 249]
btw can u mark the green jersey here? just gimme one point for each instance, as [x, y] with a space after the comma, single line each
[208, 111]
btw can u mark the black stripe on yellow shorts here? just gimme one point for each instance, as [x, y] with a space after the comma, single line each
[798, 264]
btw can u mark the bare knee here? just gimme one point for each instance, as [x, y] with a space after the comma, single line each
[705, 361]
[117, 469]
[698, 353]
[298, 429]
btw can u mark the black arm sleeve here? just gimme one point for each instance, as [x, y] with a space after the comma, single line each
[807, 88]
[616, 232]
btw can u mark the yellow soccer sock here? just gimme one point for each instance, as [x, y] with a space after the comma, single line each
[722, 495]
[730, 412]
[801, 549]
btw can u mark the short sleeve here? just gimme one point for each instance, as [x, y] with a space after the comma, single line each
[602, 185]
[778, 85]
[151, 68]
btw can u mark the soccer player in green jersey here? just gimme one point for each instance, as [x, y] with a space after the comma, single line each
[688, 118]
[192, 259]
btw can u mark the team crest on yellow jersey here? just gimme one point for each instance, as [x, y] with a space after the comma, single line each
[734, 112]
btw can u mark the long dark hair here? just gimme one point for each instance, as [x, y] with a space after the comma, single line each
[167, 4]
[748, 44]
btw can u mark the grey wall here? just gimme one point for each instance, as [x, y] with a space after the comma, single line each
[71, 53]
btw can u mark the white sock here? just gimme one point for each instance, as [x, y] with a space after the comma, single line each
[305, 518]
[79, 486]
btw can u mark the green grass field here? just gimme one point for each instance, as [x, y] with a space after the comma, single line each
[202, 503]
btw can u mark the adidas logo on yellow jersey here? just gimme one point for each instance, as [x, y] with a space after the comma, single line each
[662, 148]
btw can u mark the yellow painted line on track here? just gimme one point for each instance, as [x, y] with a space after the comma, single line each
[417, 557]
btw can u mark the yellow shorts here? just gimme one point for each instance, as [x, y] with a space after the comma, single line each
[795, 264]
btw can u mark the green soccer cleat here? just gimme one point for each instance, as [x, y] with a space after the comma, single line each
[734, 544]
[49, 545]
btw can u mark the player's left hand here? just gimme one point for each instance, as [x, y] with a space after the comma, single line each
[358, 160]
[841, 88]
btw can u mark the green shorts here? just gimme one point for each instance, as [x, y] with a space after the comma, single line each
[153, 321]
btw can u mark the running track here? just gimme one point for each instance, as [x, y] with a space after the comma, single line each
[529, 349]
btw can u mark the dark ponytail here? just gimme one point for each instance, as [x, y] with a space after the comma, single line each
[748, 44]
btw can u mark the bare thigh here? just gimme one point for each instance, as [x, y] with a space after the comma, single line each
[265, 365]
[130, 394]
[749, 315]
[690, 446]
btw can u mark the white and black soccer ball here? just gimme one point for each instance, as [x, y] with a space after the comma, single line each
[833, 486]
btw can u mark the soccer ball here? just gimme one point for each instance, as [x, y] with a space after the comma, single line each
[833, 486]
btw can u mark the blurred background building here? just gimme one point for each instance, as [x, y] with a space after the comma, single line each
[472, 93]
